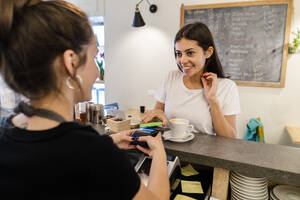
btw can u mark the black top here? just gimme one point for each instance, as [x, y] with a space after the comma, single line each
[70, 161]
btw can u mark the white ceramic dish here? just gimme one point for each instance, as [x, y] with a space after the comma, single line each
[233, 197]
[258, 190]
[233, 194]
[248, 181]
[251, 184]
[255, 190]
[272, 196]
[286, 192]
[249, 178]
[249, 193]
[243, 196]
[167, 136]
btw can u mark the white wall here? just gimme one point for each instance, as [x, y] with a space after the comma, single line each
[138, 58]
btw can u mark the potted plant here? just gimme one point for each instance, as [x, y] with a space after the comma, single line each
[100, 66]
[295, 43]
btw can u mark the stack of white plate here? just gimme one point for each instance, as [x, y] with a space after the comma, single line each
[248, 188]
[285, 192]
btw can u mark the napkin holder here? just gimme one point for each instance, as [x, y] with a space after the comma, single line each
[116, 124]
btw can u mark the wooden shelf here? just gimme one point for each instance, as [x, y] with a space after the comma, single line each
[294, 133]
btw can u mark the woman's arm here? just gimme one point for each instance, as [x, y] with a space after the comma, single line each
[158, 184]
[224, 125]
[158, 112]
[123, 139]
[159, 106]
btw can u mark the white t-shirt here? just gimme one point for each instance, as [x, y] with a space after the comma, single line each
[181, 102]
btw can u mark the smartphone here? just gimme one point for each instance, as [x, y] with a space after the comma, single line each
[143, 132]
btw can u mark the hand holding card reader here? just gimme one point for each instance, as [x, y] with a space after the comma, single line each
[147, 131]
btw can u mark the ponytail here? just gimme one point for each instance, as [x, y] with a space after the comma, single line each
[7, 14]
[6, 20]
[33, 34]
[8, 10]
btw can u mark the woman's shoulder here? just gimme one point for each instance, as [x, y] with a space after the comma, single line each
[226, 84]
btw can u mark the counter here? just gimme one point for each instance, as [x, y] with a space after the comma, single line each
[276, 162]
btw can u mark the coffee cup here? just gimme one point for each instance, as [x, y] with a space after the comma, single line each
[180, 128]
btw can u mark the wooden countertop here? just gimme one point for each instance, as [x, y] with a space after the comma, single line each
[294, 133]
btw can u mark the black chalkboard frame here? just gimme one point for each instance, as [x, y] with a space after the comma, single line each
[279, 84]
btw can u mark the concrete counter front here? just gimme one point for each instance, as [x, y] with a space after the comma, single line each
[276, 162]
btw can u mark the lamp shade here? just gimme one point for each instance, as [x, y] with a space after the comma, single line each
[138, 20]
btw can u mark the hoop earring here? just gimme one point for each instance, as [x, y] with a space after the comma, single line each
[69, 79]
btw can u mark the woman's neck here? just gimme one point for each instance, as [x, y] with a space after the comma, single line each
[193, 82]
[60, 105]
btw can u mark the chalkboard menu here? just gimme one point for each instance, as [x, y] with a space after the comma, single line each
[251, 38]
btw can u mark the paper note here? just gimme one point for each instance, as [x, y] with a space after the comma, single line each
[183, 197]
[188, 170]
[175, 184]
[191, 187]
[213, 198]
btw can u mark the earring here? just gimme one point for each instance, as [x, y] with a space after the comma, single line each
[69, 84]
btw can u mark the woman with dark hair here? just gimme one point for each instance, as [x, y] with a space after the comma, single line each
[47, 51]
[199, 91]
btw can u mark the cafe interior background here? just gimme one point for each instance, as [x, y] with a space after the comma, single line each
[137, 59]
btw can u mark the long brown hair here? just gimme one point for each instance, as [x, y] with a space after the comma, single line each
[33, 34]
[199, 32]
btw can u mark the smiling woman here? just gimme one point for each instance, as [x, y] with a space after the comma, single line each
[199, 90]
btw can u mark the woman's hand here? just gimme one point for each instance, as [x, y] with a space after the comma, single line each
[210, 81]
[155, 144]
[151, 114]
[123, 139]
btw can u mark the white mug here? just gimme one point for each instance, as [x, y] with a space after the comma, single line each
[180, 128]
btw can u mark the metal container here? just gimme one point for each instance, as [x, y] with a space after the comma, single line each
[91, 112]
[98, 113]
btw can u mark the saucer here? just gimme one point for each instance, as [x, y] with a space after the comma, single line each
[167, 136]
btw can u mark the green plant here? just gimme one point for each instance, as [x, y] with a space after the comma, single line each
[100, 62]
[101, 69]
[295, 43]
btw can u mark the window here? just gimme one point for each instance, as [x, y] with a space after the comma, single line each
[98, 92]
